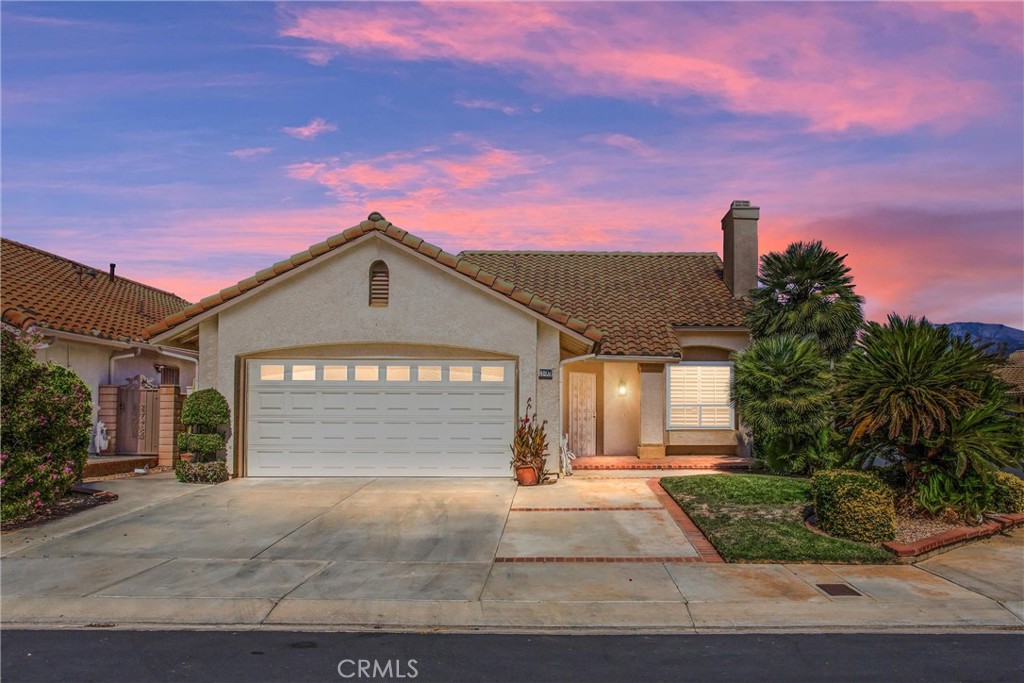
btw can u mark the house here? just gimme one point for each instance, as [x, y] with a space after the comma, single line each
[1013, 374]
[91, 321]
[375, 353]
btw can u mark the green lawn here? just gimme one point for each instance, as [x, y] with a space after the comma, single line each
[755, 518]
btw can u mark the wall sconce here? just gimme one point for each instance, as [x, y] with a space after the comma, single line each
[622, 388]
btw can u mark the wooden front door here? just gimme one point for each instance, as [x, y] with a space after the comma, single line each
[138, 420]
[583, 413]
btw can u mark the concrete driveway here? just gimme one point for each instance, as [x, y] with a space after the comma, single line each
[598, 553]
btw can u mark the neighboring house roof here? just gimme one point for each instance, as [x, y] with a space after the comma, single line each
[49, 291]
[1013, 372]
[635, 299]
[377, 223]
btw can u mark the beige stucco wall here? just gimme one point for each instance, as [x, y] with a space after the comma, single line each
[652, 404]
[621, 413]
[91, 362]
[327, 303]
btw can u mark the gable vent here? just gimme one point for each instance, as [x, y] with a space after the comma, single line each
[379, 284]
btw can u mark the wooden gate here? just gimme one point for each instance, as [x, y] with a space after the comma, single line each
[138, 418]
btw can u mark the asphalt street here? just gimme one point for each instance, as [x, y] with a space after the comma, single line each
[226, 657]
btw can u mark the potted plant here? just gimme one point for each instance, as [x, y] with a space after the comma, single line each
[203, 412]
[529, 448]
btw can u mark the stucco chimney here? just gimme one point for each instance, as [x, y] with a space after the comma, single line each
[739, 247]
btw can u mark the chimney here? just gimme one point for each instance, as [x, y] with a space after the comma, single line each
[114, 265]
[739, 247]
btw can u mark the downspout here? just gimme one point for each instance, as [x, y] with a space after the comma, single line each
[121, 356]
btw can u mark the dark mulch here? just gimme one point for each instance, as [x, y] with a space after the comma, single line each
[70, 504]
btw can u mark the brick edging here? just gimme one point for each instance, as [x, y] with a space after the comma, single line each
[607, 508]
[601, 560]
[909, 552]
[692, 532]
[587, 467]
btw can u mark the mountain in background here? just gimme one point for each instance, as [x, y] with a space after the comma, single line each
[1004, 340]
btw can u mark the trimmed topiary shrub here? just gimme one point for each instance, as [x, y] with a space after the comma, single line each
[854, 505]
[201, 472]
[203, 446]
[206, 408]
[45, 411]
[203, 412]
[1009, 493]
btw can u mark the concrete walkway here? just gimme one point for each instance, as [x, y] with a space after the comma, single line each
[585, 553]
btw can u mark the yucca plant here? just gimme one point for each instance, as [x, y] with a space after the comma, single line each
[807, 290]
[782, 390]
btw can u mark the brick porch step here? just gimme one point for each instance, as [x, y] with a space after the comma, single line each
[106, 465]
[671, 462]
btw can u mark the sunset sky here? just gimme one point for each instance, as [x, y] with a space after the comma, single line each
[195, 143]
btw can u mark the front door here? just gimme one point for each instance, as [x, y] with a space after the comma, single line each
[583, 413]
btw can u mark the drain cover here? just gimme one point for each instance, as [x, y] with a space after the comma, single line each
[838, 589]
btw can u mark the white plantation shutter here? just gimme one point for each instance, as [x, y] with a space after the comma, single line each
[698, 396]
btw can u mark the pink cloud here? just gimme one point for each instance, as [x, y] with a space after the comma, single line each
[817, 65]
[418, 171]
[250, 152]
[312, 130]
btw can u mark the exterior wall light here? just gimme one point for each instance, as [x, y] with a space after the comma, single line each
[622, 388]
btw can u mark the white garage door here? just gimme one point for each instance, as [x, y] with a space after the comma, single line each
[333, 418]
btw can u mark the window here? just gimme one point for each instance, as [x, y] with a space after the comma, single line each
[272, 373]
[379, 284]
[303, 373]
[398, 373]
[460, 373]
[698, 396]
[335, 373]
[366, 373]
[168, 374]
[429, 373]
[492, 373]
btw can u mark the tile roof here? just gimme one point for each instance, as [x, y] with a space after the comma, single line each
[377, 223]
[50, 291]
[1013, 372]
[635, 299]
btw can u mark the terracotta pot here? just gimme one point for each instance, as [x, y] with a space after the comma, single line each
[526, 476]
[185, 457]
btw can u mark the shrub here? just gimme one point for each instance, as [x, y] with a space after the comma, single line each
[201, 472]
[206, 409]
[782, 390]
[203, 446]
[46, 411]
[203, 412]
[854, 505]
[944, 493]
[1008, 493]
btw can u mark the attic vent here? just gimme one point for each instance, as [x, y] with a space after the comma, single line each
[379, 284]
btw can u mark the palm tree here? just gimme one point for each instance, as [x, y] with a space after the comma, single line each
[923, 391]
[807, 290]
[782, 389]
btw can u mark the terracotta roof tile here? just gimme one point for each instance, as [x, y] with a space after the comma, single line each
[1013, 374]
[634, 299]
[40, 288]
[377, 223]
